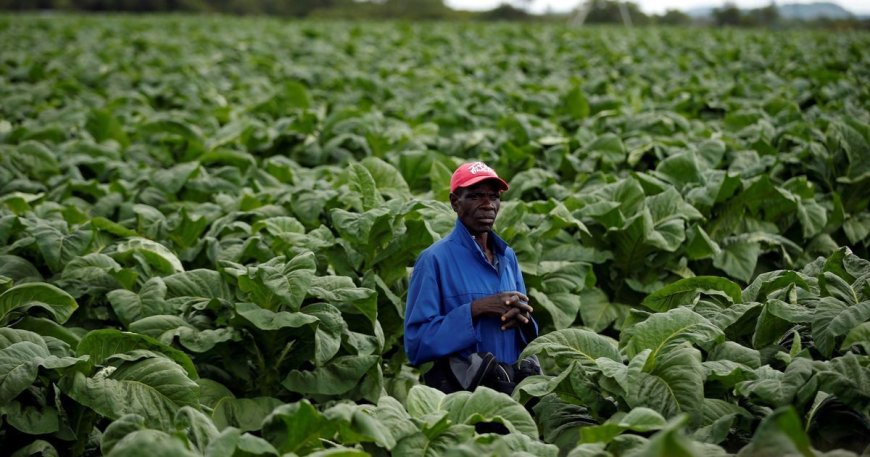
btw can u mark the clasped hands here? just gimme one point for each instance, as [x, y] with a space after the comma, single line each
[513, 307]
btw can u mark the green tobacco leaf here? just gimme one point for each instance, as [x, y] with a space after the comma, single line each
[767, 283]
[335, 378]
[197, 427]
[561, 306]
[203, 284]
[211, 392]
[361, 228]
[58, 303]
[246, 414]
[828, 310]
[850, 318]
[36, 160]
[150, 301]
[775, 319]
[845, 137]
[834, 286]
[187, 135]
[780, 433]
[37, 448]
[738, 259]
[330, 328]
[423, 400]
[48, 328]
[100, 345]
[10, 336]
[681, 169]
[735, 352]
[95, 272]
[858, 336]
[102, 125]
[666, 330]
[560, 421]
[166, 328]
[434, 444]
[639, 419]
[727, 372]
[231, 442]
[117, 430]
[101, 223]
[58, 246]
[387, 178]
[297, 427]
[487, 405]
[573, 344]
[268, 320]
[699, 245]
[356, 424]
[847, 377]
[20, 363]
[154, 388]
[151, 443]
[294, 95]
[154, 254]
[575, 103]
[672, 442]
[812, 216]
[629, 242]
[172, 180]
[32, 420]
[857, 228]
[391, 413]
[597, 312]
[363, 185]
[18, 270]
[718, 420]
[675, 385]
[519, 443]
[775, 388]
[685, 291]
[342, 292]
[277, 284]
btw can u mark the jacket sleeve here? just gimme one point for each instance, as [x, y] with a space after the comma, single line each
[430, 332]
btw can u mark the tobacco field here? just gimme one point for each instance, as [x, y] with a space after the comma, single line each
[207, 226]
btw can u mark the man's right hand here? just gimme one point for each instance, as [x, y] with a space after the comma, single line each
[512, 307]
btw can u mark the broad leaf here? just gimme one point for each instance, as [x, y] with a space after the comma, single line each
[685, 291]
[58, 303]
[154, 388]
[338, 376]
[665, 330]
[487, 405]
[101, 345]
[568, 345]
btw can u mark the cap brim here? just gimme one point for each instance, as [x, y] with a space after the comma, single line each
[478, 179]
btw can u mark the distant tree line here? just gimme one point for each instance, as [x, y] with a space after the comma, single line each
[411, 9]
[602, 11]
[731, 15]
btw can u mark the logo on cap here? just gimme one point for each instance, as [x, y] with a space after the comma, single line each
[478, 167]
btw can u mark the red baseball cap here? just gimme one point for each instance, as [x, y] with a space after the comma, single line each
[471, 173]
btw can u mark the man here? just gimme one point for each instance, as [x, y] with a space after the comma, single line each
[467, 306]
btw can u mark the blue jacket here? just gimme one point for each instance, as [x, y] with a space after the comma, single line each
[447, 277]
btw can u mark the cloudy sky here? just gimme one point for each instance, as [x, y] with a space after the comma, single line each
[650, 6]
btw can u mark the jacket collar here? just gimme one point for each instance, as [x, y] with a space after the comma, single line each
[461, 235]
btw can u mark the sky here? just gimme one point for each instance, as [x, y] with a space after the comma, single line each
[649, 6]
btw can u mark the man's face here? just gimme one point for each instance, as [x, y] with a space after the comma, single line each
[477, 205]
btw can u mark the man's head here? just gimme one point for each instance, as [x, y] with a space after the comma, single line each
[475, 195]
